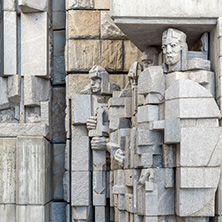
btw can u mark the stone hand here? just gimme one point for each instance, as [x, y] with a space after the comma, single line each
[119, 156]
[98, 143]
[91, 122]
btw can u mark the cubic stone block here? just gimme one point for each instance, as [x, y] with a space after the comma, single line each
[28, 6]
[34, 44]
[83, 24]
[59, 73]
[79, 4]
[8, 212]
[172, 131]
[148, 113]
[9, 5]
[102, 4]
[14, 89]
[59, 42]
[4, 103]
[112, 55]
[36, 213]
[58, 170]
[10, 43]
[36, 90]
[131, 54]
[58, 212]
[82, 55]
[7, 171]
[33, 185]
[82, 213]
[80, 189]
[108, 28]
[82, 109]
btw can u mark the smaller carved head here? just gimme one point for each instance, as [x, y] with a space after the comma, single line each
[173, 46]
[150, 57]
[99, 79]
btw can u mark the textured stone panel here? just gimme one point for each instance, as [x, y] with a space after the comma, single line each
[131, 54]
[9, 5]
[8, 213]
[82, 55]
[33, 185]
[34, 44]
[10, 43]
[79, 4]
[7, 170]
[112, 55]
[83, 24]
[58, 212]
[102, 4]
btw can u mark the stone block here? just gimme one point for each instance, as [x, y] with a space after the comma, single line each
[80, 146]
[204, 177]
[7, 172]
[100, 214]
[45, 110]
[66, 186]
[148, 137]
[172, 77]
[112, 55]
[82, 55]
[28, 6]
[79, 4]
[148, 113]
[8, 212]
[99, 188]
[83, 23]
[99, 160]
[34, 44]
[80, 188]
[33, 171]
[67, 155]
[9, 5]
[169, 156]
[58, 114]
[195, 150]
[36, 213]
[10, 43]
[101, 4]
[59, 19]
[82, 213]
[131, 54]
[4, 103]
[191, 108]
[150, 219]
[36, 90]
[197, 64]
[14, 89]
[169, 178]
[172, 131]
[58, 70]
[108, 28]
[58, 212]
[58, 170]
[81, 109]
[58, 42]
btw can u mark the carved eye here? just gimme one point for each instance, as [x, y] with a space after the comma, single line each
[163, 47]
[173, 45]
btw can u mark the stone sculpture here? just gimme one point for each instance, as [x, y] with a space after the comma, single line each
[162, 132]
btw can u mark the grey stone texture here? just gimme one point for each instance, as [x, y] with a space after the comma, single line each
[28, 6]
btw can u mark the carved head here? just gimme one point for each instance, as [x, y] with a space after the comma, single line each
[174, 49]
[99, 80]
[150, 57]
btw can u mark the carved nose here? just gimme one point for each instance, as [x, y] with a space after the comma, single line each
[168, 49]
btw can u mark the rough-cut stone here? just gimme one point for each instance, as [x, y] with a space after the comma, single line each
[9, 5]
[131, 54]
[101, 4]
[196, 64]
[45, 110]
[112, 55]
[58, 212]
[4, 103]
[172, 131]
[82, 109]
[8, 212]
[34, 44]
[7, 170]
[148, 137]
[195, 150]
[100, 214]
[148, 113]
[36, 90]
[10, 43]
[58, 114]
[80, 188]
[83, 24]
[14, 89]
[79, 4]
[80, 145]
[82, 55]
[58, 170]
[36, 213]
[33, 171]
[108, 28]
[207, 177]
[28, 6]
